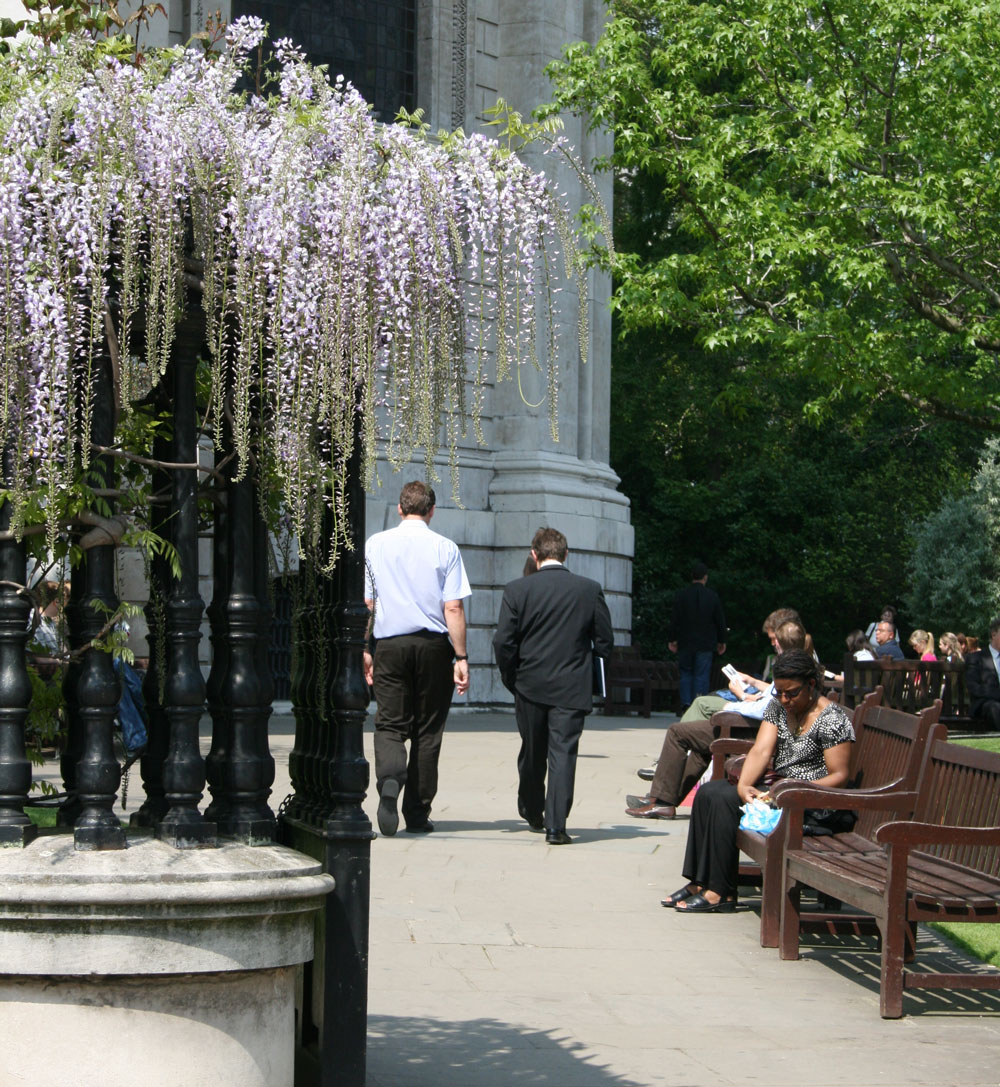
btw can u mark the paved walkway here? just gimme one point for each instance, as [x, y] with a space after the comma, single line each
[497, 960]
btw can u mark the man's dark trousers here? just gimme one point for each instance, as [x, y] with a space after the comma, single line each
[550, 739]
[695, 667]
[413, 682]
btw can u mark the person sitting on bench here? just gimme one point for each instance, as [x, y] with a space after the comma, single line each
[809, 739]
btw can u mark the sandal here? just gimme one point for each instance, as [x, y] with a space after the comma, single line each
[700, 904]
[678, 896]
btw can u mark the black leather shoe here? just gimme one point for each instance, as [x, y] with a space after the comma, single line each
[420, 828]
[557, 837]
[647, 773]
[388, 811]
[533, 821]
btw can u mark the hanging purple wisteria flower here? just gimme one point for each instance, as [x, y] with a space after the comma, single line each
[344, 266]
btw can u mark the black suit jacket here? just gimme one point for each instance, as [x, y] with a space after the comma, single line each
[698, 621]
[981, 679]
[551, 623]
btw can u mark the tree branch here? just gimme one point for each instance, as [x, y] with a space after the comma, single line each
[920, 305]
[150, 462]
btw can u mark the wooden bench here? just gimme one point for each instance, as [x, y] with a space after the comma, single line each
[943, 864]
[885, 758]
[910, 685]
[627, 674]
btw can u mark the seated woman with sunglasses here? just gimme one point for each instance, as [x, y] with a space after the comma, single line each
[807, 736]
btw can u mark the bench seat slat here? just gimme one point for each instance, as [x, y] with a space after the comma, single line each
[933, 885]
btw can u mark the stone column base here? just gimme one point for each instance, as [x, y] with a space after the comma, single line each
[152, 965]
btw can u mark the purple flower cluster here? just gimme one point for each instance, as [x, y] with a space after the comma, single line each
[349, 267]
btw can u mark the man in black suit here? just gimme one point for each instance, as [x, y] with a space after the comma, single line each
[982, 679]
[551, 625]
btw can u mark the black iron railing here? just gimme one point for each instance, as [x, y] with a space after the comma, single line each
[328, 770]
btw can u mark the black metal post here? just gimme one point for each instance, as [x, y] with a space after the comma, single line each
[314, 665]
[184, 689]
[16, 829]
[303, 753]
[335, 1022]
[69, 810]
[98, 774]
[154, 807]
[249, 769]
[222, 725]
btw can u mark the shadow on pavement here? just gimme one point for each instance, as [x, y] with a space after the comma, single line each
[516, 826]
[857, 958]
[410, 1052]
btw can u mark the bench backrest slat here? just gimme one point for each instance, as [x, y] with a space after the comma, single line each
[889, 748]
[909, 684]
[961, 787]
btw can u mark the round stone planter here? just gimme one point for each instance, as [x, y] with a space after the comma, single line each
[152, 965]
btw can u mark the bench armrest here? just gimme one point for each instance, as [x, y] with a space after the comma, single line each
[795, 799]
[730, 745]
[724, 747]
[788, 794]
[909, 835]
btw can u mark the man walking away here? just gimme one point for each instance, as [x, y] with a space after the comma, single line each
[550, 627]
[697, 629]
[415, 587]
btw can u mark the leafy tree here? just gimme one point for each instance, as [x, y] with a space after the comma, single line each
[786, 511]
[721, 464]
[832, 185]
[953, 571]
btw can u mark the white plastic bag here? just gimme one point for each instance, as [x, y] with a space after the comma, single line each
[758, 815]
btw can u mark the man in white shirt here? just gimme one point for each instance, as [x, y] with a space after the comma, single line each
[415, 587]
[982, 679]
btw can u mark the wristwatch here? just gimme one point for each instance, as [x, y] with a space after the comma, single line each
[461, 656]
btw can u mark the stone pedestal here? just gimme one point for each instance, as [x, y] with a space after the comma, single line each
[152, 965]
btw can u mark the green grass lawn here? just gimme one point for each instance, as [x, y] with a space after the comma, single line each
[983, 941]
[984, 743]
[41, 817]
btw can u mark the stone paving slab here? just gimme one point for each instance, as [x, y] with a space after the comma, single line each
[498, 960]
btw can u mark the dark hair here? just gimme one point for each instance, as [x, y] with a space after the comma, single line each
[549, 543]
[994, 625]
[416, 498]
[796, 664]
[779, 616]
[888, 614]
[856, 641]
[698, 571]
[47, 592]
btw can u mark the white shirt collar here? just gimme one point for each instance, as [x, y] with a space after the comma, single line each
[549, 562]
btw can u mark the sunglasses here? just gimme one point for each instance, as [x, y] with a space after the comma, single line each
[790, 693]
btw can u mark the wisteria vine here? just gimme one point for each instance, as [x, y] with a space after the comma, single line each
[348, 271]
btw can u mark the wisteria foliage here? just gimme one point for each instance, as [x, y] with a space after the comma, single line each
[349, 272]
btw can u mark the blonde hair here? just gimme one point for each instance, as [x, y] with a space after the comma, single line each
[951, 644]
[923, 640]
[791, 635]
